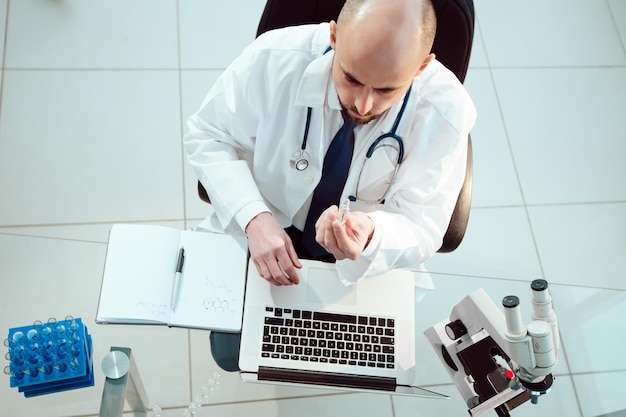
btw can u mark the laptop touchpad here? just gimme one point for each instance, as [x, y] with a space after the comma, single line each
[325, 288]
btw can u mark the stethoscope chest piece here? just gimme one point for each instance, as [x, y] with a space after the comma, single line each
[299, 160]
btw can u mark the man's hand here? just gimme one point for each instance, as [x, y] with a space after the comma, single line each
[271, 250]
[347, 239]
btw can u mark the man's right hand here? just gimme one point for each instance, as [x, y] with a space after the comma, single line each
[271, 250]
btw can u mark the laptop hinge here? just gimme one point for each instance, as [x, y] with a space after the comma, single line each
[326, 378]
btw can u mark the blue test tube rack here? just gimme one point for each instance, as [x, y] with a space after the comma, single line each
[50, 357]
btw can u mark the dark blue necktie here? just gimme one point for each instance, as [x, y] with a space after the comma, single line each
[328, 191]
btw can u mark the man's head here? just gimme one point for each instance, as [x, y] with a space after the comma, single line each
[380, 46]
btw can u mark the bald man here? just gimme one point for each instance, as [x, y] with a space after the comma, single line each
[262, 140]
[243, 140]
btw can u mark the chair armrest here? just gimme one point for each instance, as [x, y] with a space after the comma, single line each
[460, 216]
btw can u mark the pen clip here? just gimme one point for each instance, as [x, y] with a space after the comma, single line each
[181, 260]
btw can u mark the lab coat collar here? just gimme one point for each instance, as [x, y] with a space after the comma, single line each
[316, 87]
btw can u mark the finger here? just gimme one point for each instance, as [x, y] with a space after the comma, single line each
[260, 268]
[277, 273]
[289, 269]
[341, 234]
[322, 226]
[274, 282]
[293, 255]
[342, 240]
[264, 273]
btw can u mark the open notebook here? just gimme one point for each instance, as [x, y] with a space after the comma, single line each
[140, 283]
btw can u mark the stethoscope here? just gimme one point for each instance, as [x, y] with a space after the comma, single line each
[300, 159]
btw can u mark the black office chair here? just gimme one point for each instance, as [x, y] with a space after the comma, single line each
[452, 46]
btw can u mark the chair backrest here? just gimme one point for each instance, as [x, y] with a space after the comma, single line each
[453, 39]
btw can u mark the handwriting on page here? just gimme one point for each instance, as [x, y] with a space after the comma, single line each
[153, 309]
[220, 299]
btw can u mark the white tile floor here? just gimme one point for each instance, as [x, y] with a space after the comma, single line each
[94, 98]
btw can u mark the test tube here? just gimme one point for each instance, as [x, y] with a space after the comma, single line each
[18, 337]
[14, 371]
[60, 350]
[71, 322]
[31, 370]
[74, 350]
[45, 351]
[74, 362]
[46, 368]
[15, 360]
[33, 358]
[71, 327]
[33, 335]
[60, 366]
[59, 330]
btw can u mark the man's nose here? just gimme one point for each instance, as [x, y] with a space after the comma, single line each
[364, 101]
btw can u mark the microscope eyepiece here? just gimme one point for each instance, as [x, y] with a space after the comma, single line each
[510, 301]
[539, 285]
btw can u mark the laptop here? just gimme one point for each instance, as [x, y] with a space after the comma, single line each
[324, 334]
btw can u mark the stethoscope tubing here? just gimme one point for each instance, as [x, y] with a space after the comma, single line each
[299, 159]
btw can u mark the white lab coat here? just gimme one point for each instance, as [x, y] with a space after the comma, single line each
[252, 121]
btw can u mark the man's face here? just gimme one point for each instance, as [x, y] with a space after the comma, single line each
[360, 101]
[368, 81]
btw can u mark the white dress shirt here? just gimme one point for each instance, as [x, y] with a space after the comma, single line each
[252, 121]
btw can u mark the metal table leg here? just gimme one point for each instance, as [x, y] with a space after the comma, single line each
[122, 383]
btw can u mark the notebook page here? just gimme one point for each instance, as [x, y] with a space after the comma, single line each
[139, 274]
[213, 281]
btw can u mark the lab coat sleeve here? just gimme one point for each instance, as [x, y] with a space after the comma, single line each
[409, 229]
[220, 142]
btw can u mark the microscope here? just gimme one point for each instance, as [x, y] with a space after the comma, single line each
[497, 362]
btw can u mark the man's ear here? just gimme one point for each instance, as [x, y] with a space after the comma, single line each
[430, 58]
[333, 33]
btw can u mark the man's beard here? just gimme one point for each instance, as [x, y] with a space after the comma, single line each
[351, 111]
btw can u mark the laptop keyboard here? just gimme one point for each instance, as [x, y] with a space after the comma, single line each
[316, 336]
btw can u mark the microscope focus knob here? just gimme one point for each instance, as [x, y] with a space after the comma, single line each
[455, 329]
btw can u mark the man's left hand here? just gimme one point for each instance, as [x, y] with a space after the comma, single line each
[347, 239]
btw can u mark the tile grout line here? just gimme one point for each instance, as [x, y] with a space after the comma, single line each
[4, 54]
[180, 116]
[478, 67]
[183, 191]
[619, 36]
[185, 218]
